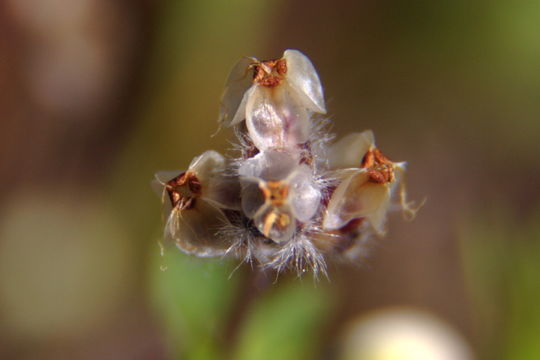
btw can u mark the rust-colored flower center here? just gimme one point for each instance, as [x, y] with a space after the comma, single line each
[270, 73]
[183, 190]
[380, 169]
[275, 192]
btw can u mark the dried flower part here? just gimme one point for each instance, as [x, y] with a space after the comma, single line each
[379, 168]
[183, 190]
[270, 73]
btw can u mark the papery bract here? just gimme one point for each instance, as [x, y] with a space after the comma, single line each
[303, 77]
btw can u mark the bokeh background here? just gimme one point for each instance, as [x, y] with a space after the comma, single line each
[97, 95]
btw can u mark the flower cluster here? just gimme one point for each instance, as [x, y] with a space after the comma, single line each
[292, 197]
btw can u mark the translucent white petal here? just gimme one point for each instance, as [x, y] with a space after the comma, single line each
[233, 100]
[349, 151]
[354, 198]
[252, 197]
[304, 195]
[334, 217]
[277, 224]
[270, 165]
[217, 187]
[195, 230]
[206, 164]
[303, 78]
[276, 119]
[224, 191]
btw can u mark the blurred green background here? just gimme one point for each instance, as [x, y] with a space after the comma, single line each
[97, 95]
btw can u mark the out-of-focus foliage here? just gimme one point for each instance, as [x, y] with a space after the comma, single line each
[194, 297]
[285, 324]
[502, 263]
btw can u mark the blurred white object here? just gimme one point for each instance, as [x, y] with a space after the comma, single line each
[403, 334]
[66, 264]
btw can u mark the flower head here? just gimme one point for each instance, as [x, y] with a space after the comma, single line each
[289, 201]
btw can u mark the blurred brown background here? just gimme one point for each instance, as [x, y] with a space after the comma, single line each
[96, 96]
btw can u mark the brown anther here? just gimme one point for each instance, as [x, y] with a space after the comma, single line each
[380, 169]
[270, 73]
[275, 192]
[306, 154]
[183, 190]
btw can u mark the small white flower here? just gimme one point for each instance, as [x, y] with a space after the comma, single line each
[276, 101]
[367, 180]
[196, 199]
[277, 192]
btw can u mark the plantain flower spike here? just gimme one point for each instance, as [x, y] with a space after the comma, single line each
[291, 199]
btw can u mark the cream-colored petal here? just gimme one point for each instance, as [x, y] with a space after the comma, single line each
[233, 100]
[195, 231]
[349, 151]
[355, 198]
[302, 77]
[376, 198]
[276, 119]
[334, 217]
